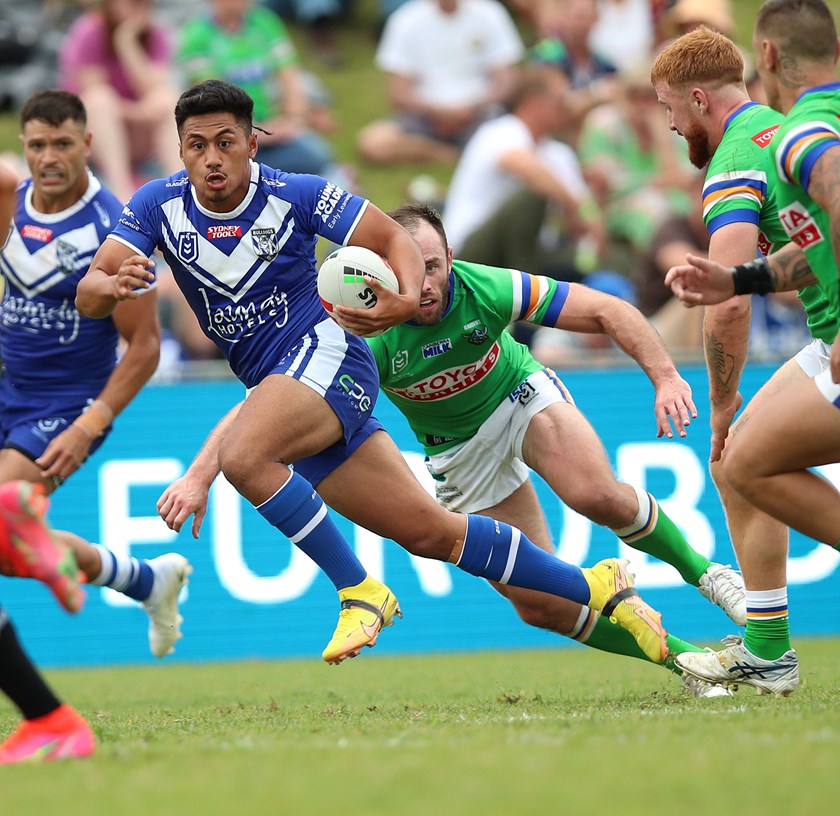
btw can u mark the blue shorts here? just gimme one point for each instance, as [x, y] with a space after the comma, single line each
[341, 368]
[29, 421]
[316, 468]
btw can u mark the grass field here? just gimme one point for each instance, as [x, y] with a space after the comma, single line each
[568, 731]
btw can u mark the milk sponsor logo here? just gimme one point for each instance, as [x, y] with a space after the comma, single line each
[437, 348]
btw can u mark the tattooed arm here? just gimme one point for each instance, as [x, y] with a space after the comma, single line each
[726, 332]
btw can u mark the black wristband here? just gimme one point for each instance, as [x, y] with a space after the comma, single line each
[753, 277]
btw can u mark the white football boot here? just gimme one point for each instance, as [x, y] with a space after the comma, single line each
[171, 573]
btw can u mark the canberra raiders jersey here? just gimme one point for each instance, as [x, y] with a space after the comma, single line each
[249, 275]
[42, 336]
[741, 186]
[811, 127]
[448, 378]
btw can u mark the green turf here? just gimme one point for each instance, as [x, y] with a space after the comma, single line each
[568, 731]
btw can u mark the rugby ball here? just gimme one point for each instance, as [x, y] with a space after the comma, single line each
[341, 278]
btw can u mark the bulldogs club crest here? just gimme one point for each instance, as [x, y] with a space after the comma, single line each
[65, 256]
[265, 243]
[188, 246]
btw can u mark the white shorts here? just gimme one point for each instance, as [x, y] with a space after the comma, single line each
[828, 388]
[814, 357]
[486, 469]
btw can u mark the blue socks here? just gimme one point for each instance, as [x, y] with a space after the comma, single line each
[298, 512]
[131, 576]
[501, 553]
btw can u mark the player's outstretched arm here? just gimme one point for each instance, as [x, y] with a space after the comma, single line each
[702, 282]
[187, 496]
[587, 310]
[117, 273]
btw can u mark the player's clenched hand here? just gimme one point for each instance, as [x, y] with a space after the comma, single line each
[673, 404]
[701, 281]
[721, 420]
[65, 453]
[133, 277]
[185, 497]
[391, 309]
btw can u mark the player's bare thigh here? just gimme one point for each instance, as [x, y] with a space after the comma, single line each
[565, 450]
[796, 430]
[15, 465]
[788, 374]
[376, 489]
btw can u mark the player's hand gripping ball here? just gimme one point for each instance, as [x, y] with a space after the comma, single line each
[341, 279]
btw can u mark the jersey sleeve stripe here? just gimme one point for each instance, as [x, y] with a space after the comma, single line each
[356, 222]
[733, 217]
[734, 194]
[555, 306]
[798, 143]
[126, 243]
[516, 281]
[811, 159]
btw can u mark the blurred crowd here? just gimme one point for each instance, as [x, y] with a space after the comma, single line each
[561, 160]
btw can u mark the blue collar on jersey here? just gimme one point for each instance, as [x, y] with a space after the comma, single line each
[738, 112]
[448, 305]
[829, 87]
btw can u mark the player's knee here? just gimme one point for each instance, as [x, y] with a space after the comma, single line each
[737, 475]
[534, 614]
[239, 470]
[599, 504]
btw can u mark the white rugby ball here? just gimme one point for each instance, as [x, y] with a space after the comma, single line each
[341, 278]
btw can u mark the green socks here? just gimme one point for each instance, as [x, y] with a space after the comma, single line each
[654, 533]
[768, 629]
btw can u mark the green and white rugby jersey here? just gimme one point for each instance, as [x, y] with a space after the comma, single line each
[811, 127]
[448, 378]
[741, 186]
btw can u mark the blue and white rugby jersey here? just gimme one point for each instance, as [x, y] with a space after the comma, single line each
[249, 275]
[44, 340]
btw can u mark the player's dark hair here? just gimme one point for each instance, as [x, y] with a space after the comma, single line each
[410, 215]
[53, 107]
[800, 28]
[215, 96]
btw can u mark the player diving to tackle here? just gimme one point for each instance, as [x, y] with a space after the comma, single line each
[262, 310]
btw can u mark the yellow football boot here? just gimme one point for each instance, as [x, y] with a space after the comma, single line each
[612, 593]
[366, 609]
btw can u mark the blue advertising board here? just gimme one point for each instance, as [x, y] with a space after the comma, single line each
[254, 595]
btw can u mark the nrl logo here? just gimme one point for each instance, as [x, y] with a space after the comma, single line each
[265, 243]
[399, 361]
[188, 246]
[477, 336]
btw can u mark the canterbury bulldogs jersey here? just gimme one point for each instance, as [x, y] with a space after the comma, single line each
[249, 274]
[43, 338]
